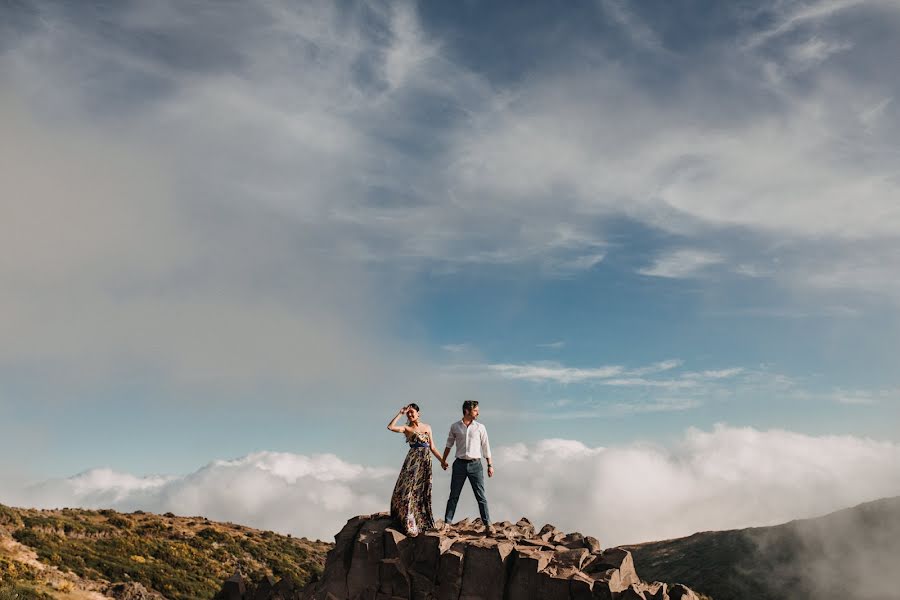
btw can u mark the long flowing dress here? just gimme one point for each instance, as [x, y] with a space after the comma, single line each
[411, 500]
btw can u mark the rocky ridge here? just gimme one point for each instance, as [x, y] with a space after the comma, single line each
[373, 561]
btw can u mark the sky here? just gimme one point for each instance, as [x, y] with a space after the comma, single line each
[659, 242]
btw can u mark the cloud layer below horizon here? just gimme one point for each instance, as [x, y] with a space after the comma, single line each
[725, 478]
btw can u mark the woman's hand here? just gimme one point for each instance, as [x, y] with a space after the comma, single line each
[393, 424]
[444, 465]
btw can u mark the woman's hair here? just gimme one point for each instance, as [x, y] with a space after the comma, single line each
[415, 407]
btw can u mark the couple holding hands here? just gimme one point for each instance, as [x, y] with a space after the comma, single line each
[411, 500]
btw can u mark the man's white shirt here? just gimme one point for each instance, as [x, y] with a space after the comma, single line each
[471, 442]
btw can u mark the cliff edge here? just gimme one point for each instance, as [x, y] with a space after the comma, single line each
[373, 561]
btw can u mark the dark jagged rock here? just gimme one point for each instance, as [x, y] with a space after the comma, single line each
[132, 591]
[372, 560]
[265, 588]
[234, 589]
[237, 587]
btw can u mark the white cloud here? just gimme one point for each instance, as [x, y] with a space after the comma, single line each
[550, 371]
[862, 397]
[791, 163]
[304, 495]
[165, 220]
[658, 367]
[300, 119]
[816, 50]
[871, 115]
[796, 14]
[639, 32]
[720, 479]
[714, 373]
[681, 263]
[552, 345]
[455, 347]
[726, 478]
[581, 263]
[610, 375]
[568, 409]
[657, 405]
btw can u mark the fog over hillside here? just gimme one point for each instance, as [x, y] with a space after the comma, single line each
[850, 554]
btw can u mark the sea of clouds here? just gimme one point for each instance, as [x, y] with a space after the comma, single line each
[723, 478]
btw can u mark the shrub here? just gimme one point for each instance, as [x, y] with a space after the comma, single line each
[119, 522]
[18, 591]
[10, 517]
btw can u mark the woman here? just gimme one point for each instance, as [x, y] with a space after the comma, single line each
[411, 500]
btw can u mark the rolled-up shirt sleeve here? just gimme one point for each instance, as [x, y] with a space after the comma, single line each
[451, 439]
[485, 444]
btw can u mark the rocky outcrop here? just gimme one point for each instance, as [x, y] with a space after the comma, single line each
[373, 561]
[132, 591]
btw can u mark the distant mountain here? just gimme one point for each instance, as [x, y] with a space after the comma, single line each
[852, 554]
[79, 554]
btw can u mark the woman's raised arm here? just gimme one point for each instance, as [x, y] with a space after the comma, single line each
[393, 424]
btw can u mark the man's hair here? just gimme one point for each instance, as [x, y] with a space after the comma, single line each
[469, 405]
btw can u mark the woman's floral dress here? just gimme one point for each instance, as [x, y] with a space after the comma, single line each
[411, 500]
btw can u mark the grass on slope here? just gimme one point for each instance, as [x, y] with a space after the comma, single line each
[21, 591]
[184, 558]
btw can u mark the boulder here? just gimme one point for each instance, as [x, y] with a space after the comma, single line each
[547, 532]
[395, 544]
[133, 590]
[552, 587]
[450, 571]
[265, 588]
[581, 587]
[393, 580]
[645, 591]
[334, 579]
[524, 528]
[569, 561]
[484, 572]
[524, 581]
[285, 589]
[614, 566]
[573, 540]
[682, 592]
[368, 551]
[234, 588]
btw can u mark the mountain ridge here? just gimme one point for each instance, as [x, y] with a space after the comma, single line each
[849, 553]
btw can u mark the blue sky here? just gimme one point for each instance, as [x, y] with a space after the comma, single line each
[264, 226]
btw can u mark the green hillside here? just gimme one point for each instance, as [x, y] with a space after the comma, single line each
[184, 558]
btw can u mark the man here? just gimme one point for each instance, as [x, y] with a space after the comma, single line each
[471, 441]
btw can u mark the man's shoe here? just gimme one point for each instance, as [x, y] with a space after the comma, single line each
[489, 531]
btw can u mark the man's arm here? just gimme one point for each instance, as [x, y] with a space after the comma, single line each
[486, 450]
[451, 439]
